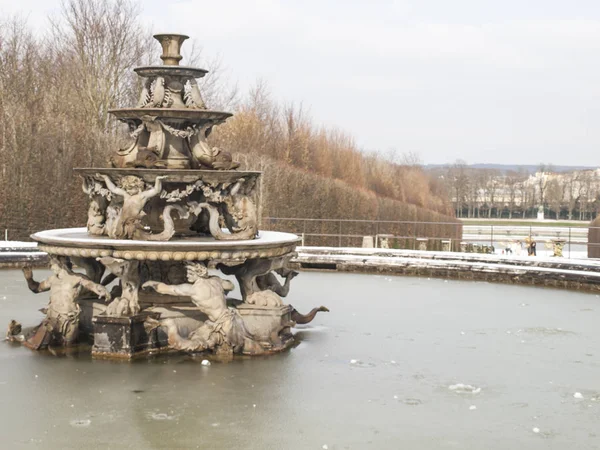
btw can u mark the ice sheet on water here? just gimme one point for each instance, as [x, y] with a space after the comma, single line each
[81, 422]
[544, 331]
[461, 388]
[312, 328]
[361, 364]
[161, 416]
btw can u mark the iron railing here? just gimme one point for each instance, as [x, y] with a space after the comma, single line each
[450, 236]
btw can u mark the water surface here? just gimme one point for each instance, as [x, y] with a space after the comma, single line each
[374, 373]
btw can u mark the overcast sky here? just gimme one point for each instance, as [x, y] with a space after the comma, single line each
[504, 81]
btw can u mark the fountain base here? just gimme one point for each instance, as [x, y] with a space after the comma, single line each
[270, 324]
[124, 337]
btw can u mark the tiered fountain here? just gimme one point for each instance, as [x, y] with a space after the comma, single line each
[170, 208]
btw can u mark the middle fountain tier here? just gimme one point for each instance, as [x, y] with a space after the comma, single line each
[158, 204]
[170, 208]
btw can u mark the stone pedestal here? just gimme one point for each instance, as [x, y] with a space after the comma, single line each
[447, 245]
[593, 245]
[422, 244]
[382, 240]
[269, 324]
[557, 248]
[123, 337]
[367, 242]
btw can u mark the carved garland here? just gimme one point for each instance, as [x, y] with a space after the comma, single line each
[183, 134]
[180, 194]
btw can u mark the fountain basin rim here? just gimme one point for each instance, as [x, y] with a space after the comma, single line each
[162, 71]
[77, 242]
[174, 175]
[76, 236]
[170, 113]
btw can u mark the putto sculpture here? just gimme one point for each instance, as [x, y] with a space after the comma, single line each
[164, 219]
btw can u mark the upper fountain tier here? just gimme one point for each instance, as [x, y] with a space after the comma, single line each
[171, 122]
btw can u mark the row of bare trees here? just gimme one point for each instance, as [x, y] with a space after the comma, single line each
[285, 133]
[56, 89]
[490, 193]
[57, 86]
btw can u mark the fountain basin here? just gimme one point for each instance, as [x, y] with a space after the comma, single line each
[161, 71]
[198, 116]
[77, 242]
[528, 349]
[173, 175]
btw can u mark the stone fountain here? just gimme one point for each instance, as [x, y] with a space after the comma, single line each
[169, 209]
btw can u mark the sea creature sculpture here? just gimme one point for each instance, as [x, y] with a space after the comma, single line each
[127, 303]
[258, 284]
[209, 157]
[302, 319]
[224, 331]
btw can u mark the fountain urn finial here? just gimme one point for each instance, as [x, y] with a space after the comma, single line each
[171, 45]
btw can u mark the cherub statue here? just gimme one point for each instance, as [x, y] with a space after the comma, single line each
[224, 330]
[61, 325]
[128, 225]
[127, 303]
[97, 209]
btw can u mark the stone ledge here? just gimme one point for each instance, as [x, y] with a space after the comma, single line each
[569, 274]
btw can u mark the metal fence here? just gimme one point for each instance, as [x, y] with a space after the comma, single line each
[352, 233]
[418, 235]
[569, 241]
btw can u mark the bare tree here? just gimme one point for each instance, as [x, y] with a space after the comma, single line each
[542, 181]
[513, 182]
[572, 194]
[458, 181]
[490, 183]
[555, 193]
[99, 42]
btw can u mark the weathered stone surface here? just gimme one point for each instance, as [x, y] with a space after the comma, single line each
[124, 337]
[271, 324]
[224, 331]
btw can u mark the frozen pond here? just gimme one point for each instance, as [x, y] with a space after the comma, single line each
[398, 363]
